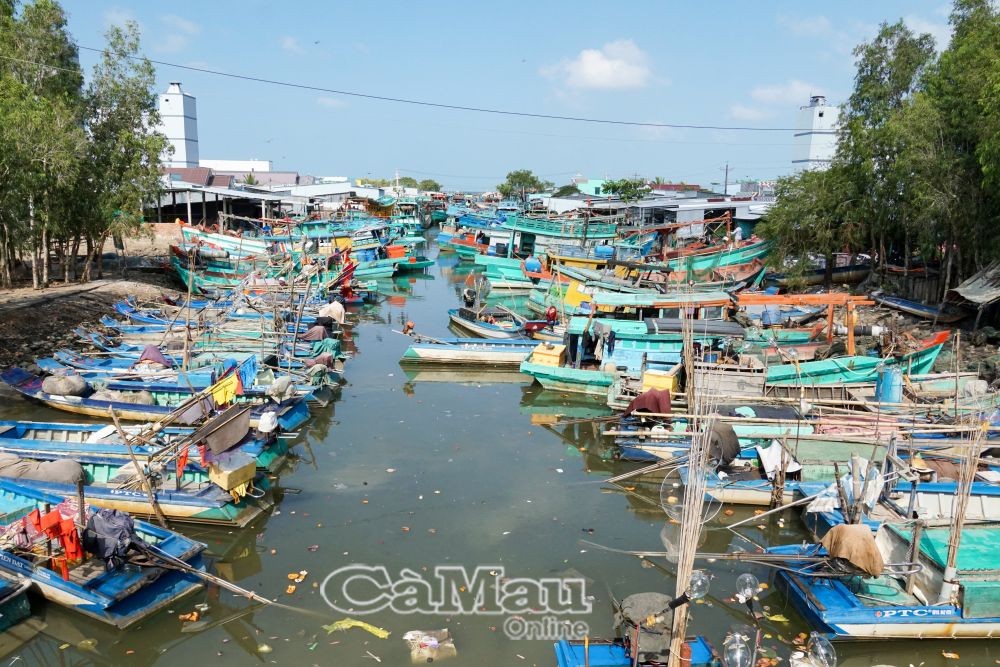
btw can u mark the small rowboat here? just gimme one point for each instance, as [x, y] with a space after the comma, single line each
[120, 597]
[945, 314]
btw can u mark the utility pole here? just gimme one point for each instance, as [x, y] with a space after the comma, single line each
[725, 187]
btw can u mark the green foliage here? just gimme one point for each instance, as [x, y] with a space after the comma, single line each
[627, 189]
[522, 182]
[812, 215]
[429, 185]
[250, 179]
[75, 165]
[566, 190]
[917, 167]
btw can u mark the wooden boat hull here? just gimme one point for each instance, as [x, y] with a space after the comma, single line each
[465, 354]
[483, 329]
[570, 380]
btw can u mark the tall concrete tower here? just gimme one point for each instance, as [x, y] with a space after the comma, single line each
[816, 140]
[179, 118]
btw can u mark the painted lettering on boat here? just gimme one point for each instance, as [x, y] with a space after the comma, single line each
[20, 565]
[922, 612]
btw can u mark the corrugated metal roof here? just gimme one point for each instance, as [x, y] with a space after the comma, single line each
[181, 186]
[981, 289]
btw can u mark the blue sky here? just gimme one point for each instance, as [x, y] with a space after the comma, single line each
[706, 63]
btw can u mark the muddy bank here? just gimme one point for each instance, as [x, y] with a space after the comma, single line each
[34, 323]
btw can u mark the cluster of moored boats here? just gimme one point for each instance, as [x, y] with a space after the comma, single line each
[190, 408]
[890, 463]
[788, 400]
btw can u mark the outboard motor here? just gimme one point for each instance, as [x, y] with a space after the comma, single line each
[469, 297]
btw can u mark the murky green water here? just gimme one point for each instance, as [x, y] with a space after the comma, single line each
[474, 483]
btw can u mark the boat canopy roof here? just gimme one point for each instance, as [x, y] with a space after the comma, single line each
[655, 325]
[657, 300]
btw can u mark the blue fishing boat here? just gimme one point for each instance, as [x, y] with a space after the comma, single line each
[945, 313]
[876, 599]
[121, 591]
[292, 413]
[62, 439]
[603, 653]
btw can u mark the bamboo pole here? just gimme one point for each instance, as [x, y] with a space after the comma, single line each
[147, 487]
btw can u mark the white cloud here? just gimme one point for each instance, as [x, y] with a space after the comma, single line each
[940, 31]
[807, 26]
[118, 16]
[616, 65]
[790, 93]
[331, 102]
[743, 112]
[289, 43]
[178, 32]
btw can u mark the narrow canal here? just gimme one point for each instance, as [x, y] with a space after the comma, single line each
[411, 471]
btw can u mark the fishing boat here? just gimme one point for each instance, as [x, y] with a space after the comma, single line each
[616, 653]
[62, 439]
[194, 498]
[841, 275]
[468, 351]
[489, 321]
[291, 413]
[945, 313]
[854, 369]
[598, 349]
[530, 235]
[883, 601]
[749, 479]
[120, 596]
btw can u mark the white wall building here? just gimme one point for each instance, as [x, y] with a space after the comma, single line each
[237, 165]
[179, 122]
[816, 141]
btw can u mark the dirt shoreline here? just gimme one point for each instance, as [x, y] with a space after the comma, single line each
[35, 323]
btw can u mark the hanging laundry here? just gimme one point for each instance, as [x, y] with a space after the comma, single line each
[248, 371]
[70, 539]
[225, 389]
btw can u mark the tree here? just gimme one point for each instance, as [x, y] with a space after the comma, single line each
[522, 182]
[250, 179]
[627, 189]
[888, 75]
[567, 190]
[429, 185]
[42, 147]
[125, 146]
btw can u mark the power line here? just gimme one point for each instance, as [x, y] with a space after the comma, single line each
[443, 105]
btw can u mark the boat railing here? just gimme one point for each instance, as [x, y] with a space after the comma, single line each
[602, 226]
